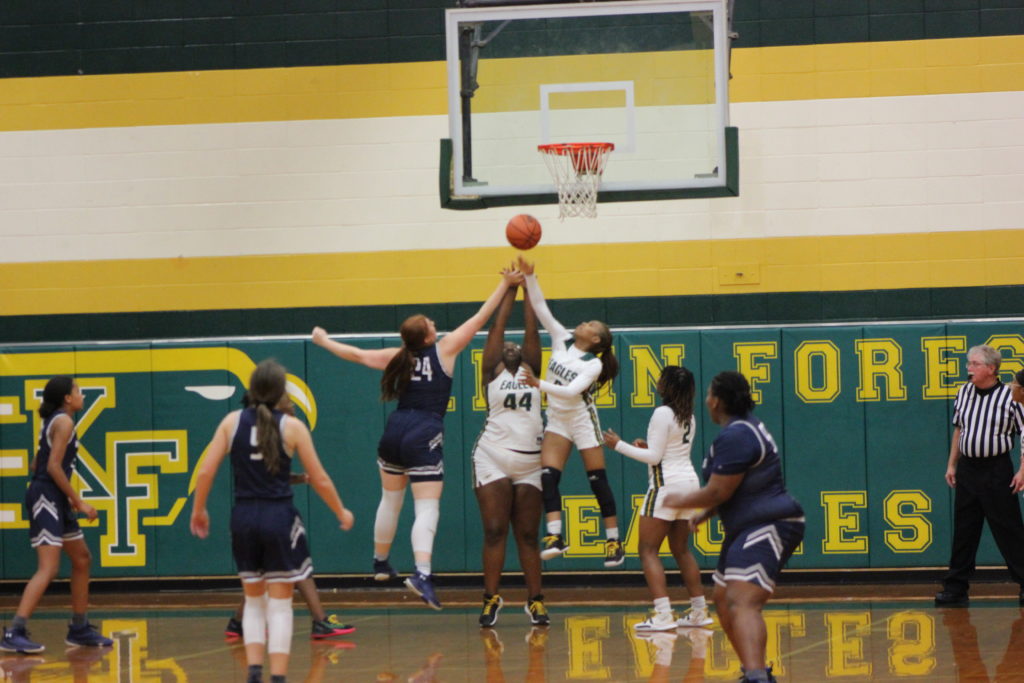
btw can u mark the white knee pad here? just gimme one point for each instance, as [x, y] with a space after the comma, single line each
[425, 526]
[279, 624]
[386, 523]
[254, 620]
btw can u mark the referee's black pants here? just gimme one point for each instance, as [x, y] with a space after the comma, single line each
[983, 494]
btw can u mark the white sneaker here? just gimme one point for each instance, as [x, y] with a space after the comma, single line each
[695, 617]
[657, 621]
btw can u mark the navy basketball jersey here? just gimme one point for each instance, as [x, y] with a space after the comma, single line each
[252, 480]
[45, 447]
[429, 387]
[745, 447]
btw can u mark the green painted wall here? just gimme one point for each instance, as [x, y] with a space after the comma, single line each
[861, 413]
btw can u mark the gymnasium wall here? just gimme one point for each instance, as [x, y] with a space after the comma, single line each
[191, 168]
[860, 412]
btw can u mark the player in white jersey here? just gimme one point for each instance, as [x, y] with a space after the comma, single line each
[581, 362]
[666, 452]
[506, 462]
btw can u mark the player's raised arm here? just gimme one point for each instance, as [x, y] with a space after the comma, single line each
[452, 343]
[496, 336]
[558, 333]
[377, 359]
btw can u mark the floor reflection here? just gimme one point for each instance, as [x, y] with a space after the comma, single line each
[806, 642]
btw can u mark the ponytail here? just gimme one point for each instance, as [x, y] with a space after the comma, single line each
[56, 390]
[267, 386]
[603, 350]
[398, 372]
[677, 389]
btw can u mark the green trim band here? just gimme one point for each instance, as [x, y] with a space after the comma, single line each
[707, 309]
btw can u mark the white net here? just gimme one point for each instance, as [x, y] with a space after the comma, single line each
[576, 169]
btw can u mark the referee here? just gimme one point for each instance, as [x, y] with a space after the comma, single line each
[980, 471]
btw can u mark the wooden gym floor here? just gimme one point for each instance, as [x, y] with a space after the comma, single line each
[815, 633]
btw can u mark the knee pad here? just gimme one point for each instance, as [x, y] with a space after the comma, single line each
[386, 522]
[599, 485]
[425, 526]
[549, 478]
[279, 625]
[254, 619]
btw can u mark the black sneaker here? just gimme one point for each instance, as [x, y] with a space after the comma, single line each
[17, 640]
[233, 631]
[489, 614]
[423, 586]
[329, 627]
[947, 598]
[383, 571]
[552, 546]
[614, 553]
[537, 611]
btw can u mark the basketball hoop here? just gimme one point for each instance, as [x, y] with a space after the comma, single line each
[576, 168]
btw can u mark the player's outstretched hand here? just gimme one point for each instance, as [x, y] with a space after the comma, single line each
[611, 439]
[526, 375]
[319, 335]
[511, 276]
[525, 266]
[200, 524]
[346, 520]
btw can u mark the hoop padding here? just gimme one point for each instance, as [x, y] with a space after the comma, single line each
[576, 168]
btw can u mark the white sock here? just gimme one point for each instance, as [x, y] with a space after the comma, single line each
[279, 624]
[425, 526]
[254, 620]
[662, 605]
[386, 523]
[423, 569]
[699, 602]
[555, 528]
[612, 533]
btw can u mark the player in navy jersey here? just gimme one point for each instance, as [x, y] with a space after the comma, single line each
[763, 523]
[506, 462]
[50, 505]
[268, 538]
[409, 454]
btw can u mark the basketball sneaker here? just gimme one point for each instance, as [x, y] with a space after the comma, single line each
[553, 546]
[489, 614]
[383, 571]
[771, 678]
[537, 611]
[17, 640]
[86, 635]
[614, 554]
[656, 621]
[233, 630]
[423, 586]
[329, 627]
[695, 617]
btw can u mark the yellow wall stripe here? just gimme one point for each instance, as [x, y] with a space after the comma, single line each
[919, 67]
[791, 264]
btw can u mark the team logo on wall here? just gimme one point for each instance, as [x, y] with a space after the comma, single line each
[148, 417]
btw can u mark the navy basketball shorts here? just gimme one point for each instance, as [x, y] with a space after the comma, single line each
[757, 553]
[52, 520]
[412, 444]
[268, 540]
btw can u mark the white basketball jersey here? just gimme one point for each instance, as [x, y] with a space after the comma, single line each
[675, 465]
[513, 414]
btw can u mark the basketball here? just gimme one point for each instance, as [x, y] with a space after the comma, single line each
[523, 231]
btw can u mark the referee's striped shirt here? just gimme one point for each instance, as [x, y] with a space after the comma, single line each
[988, 420]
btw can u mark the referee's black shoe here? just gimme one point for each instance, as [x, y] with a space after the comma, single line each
[951, 599]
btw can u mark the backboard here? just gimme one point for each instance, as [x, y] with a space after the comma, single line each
[649, 76]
